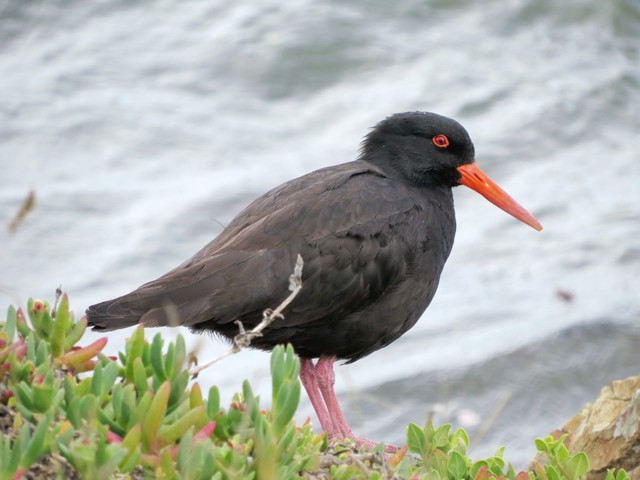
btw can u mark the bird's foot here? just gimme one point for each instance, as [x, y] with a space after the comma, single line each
[366, 443]
[369, 444]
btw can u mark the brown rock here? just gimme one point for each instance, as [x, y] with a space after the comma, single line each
[608, 430]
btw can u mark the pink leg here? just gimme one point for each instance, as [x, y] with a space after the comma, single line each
[325, 380]
[308, 379]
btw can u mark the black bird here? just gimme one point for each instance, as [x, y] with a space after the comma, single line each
[374, 235]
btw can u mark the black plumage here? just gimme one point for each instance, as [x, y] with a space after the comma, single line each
[374, 235]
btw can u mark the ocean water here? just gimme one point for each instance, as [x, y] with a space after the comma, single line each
[144, 127]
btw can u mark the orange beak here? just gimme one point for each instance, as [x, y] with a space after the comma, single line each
[477, 180]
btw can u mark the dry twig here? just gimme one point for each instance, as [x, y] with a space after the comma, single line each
[244, 338]
[54, 309]
[27, 205]
[490, 420]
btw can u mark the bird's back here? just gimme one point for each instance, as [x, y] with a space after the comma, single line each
[373, 250]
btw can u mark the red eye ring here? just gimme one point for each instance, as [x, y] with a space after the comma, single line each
[440, 141]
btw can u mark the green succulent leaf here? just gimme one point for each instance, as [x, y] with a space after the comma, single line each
[577, 466]
[141, 417]
[11, 323]
[176, 430]
[75, 334]
[77, 359]
[155, 415]
[140, 376]
[21, 324]
[553, 473]
[179, 384]
[213, 402]
[40, 317]
[60, 326]
[622, 474]
[156, 358]
[131, 442]
[184, 451]
[460, 440]
[180, 354]
[195, 396]
[417, 440]
[457, 466]
[38, 445]
[441, 436]
[133, 351]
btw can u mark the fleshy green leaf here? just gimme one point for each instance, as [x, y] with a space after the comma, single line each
[155, 356]
[38, 446]
[60, 326]
[195, 396]
[75, 334]
[134, 350]
[416, 440]
[552, 473]
[457, 465]
[155, 415]
[176, 430]
[76, 358]
[441, 436]
[577, 466]
[213, 402]
[11, 323]
[622, 474]
[139, 376]
[21, 324]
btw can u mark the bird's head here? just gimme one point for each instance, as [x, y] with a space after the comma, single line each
[431, 150]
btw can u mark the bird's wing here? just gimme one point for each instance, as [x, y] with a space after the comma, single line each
[350, 228]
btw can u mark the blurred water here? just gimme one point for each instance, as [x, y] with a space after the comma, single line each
[144, 128]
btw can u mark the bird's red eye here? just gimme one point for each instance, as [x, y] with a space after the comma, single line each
[440, 141]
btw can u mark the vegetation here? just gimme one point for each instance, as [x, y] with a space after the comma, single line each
[71, 412]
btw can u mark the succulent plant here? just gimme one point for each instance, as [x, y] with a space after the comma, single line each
[137, 416]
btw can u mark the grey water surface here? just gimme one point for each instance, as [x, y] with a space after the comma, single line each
[144, 127]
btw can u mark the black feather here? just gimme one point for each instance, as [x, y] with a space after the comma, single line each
[373, 236]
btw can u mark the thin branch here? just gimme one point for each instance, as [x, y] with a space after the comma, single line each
[244, 338]
[488, 423]
[54, 309]
[28, 204]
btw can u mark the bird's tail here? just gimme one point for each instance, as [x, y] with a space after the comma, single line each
[111, 315]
